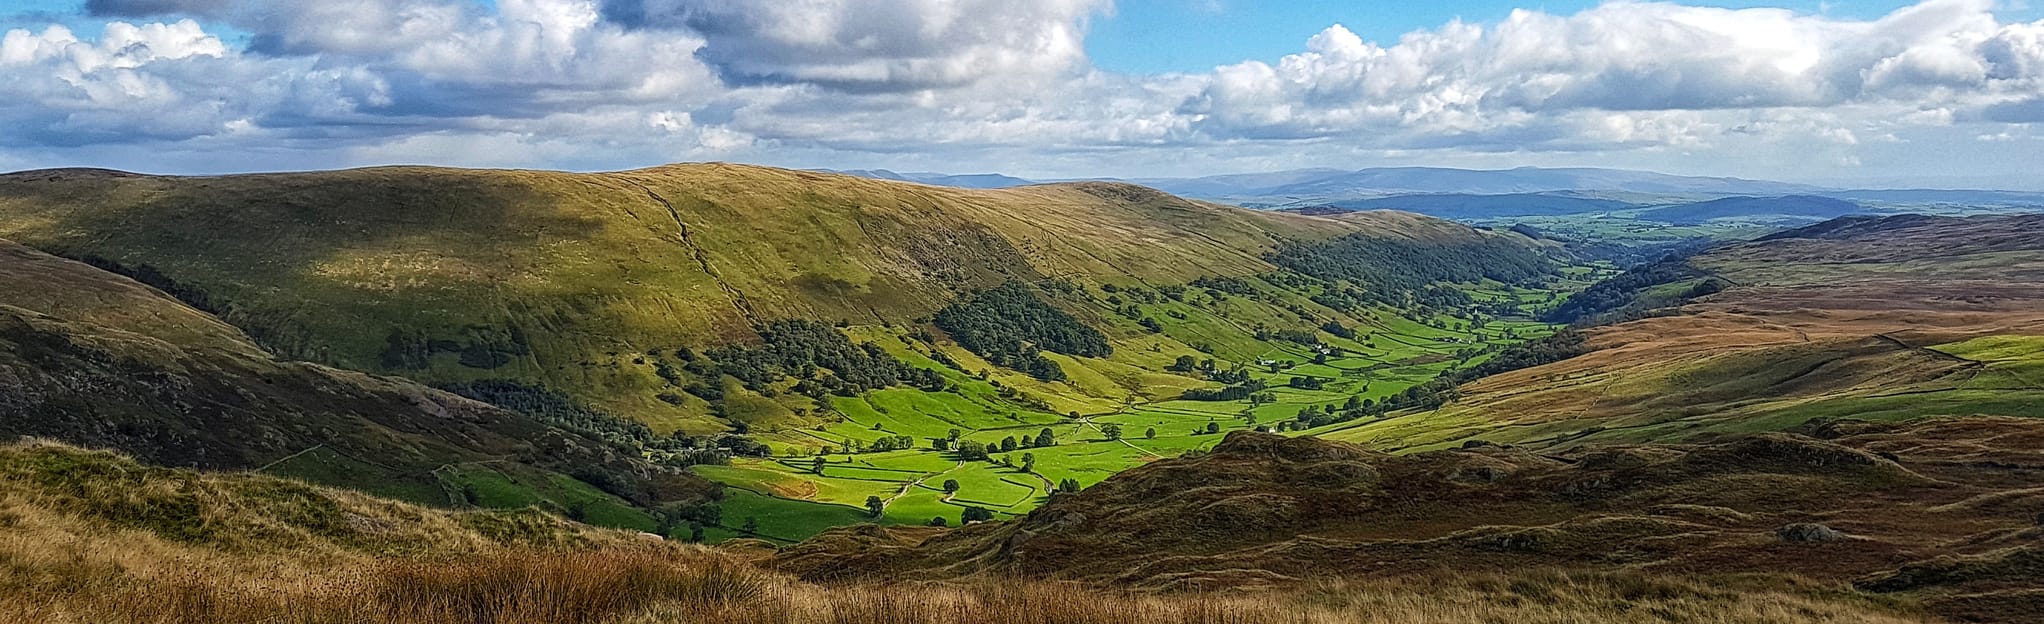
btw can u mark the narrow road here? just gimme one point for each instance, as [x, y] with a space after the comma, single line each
[919, 481]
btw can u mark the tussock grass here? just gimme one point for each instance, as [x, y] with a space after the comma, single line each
[130, 557]
[662, 584]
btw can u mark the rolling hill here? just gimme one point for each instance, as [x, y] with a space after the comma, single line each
[1884, 318]
[1471, 207]
[1343, 184]
[589, 283]
[92, 358]
[1799, 207]
[969, 180]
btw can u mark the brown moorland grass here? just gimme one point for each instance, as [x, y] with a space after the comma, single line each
[658, 585]
[65, 561]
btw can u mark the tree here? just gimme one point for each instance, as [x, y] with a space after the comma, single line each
[1028, 462]
[938, 521]
[1213, 427]
[950, 486]
[1184, 364]
[751, 526]
[816, 465]
[972, 451]
[875, 506]
[1044, 438]
[695, 532]
[1112, 431]
[1151, 433]
[974, 514]
[1007, 444]
[1068, 486]
[954, 435]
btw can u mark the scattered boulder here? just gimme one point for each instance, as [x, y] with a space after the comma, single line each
[1808, 533]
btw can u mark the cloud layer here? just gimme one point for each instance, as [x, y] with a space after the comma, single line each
[201, 85]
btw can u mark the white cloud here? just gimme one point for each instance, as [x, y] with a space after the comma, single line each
[1536, 68]
[991, 84]
[878, 45]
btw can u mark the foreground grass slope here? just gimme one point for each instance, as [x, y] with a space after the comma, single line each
[93, 358]
[1942, 513]
[94, 537]
[567, 280]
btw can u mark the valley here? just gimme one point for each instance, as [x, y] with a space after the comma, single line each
[684, 311]
[829, 385]
[1384, 358]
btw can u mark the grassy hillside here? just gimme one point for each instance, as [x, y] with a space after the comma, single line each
[94, 537]
[1892, 318]
[910, 335]
[92, 358]
[567, 280]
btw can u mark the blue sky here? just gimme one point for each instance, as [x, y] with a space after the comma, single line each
[1888, 93]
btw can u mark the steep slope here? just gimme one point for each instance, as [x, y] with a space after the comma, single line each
[1890, 318]
[567, 280]
[1849, 502]
[92, 358]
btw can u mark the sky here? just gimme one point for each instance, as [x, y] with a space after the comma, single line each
[1943, 93]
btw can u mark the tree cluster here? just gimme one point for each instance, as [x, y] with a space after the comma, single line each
[1391, 270]
[1010, 326]
[821, 357]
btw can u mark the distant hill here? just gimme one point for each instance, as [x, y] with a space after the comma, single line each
[1335, 184]
[1465, 206]
[1792, 206]
[1951, 197]
[1889, 318]
[971, 181]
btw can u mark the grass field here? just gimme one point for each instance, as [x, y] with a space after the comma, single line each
[1391, 350]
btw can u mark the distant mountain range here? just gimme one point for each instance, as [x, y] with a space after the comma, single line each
[1332, 183]
[1469, 194]
[971, 181]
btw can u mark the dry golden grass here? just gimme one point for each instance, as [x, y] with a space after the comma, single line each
[89, 537]
[658, 585]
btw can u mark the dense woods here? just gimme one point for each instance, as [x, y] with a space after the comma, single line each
[1389, 269]
[554, 409]
[1618, 292]
[821, 357]
[1009, 326]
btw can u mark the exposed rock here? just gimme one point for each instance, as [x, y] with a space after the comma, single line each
[1807, 533]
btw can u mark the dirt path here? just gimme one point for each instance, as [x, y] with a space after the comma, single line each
[919, 481]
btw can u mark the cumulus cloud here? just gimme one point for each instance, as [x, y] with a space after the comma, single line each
[1571, 72]
[618, 82]
[876, 45]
